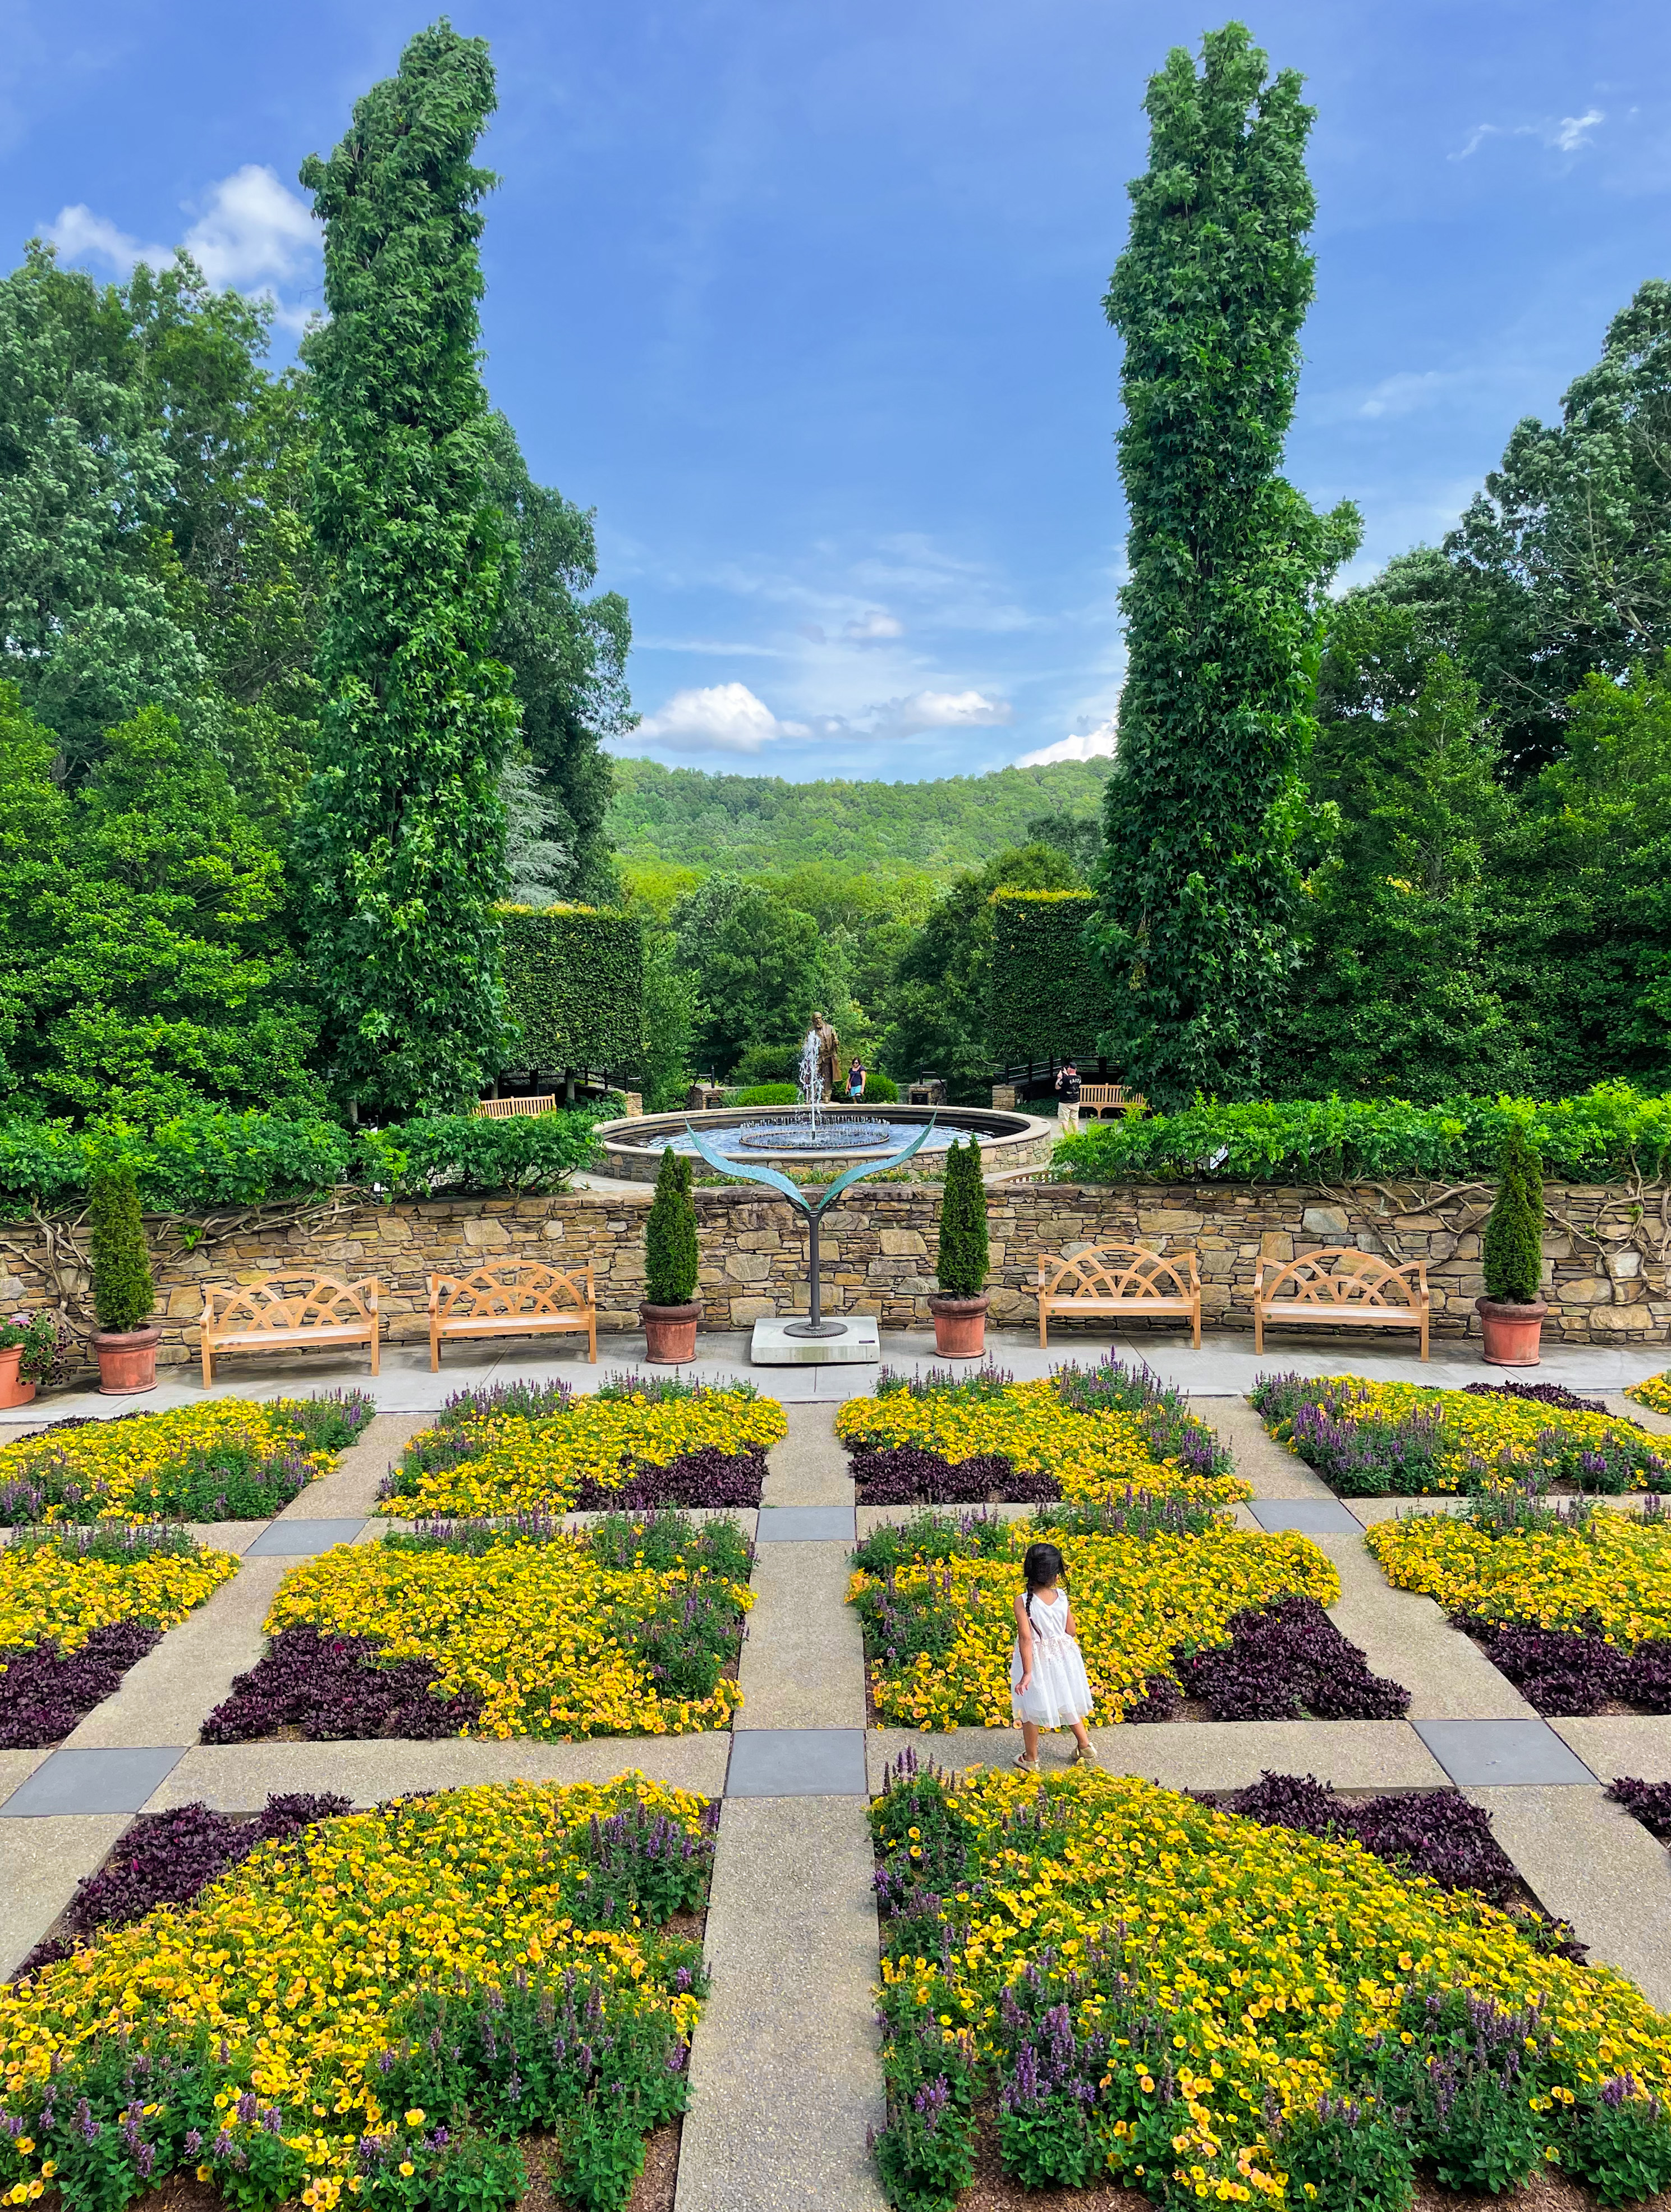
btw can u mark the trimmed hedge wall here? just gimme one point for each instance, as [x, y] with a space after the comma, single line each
[574, 984]
[1049, 998]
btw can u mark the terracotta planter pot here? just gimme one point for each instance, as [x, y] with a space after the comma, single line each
[670, 1332]
[1510, 1332]
[12, 1392]
[959, 1327]
[127, 1360]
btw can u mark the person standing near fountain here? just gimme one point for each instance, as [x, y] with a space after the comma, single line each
[827, 1046]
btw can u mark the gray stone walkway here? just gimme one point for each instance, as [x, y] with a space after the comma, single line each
[785, 2075]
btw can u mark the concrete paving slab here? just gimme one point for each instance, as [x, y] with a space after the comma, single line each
[785, 2078]
[1626, 1409]
[353, 1483]
[1409, 1638]
[1636, 1744]
[1368, 1511]
[1312, 1517]
[803, 1658]
[17, 1767]
[171, 1691]
[803, 1762]
[114, 1780]
[1197, 1754]
[808, 1468]
[1591, 1863]
[805, 1524]
[299, 1539]
[239, 1778]
[1480, 1754]
[41, 1862]
[234, 1536]
[1272, 1469]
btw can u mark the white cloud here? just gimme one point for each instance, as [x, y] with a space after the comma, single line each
[718, 718]
[1568, 134]
[939, 710]
[877, 623]
[1094, 744]
[253, 232]
[1402, 394]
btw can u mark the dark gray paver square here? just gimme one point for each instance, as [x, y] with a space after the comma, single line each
[805, 1524]
[294, 1539]
[114, 1780]
[1478, 1753]
[1312, 1517]
[797, 1763]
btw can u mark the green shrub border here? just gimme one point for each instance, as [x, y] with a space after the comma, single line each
[574, 984]
[1049, 996]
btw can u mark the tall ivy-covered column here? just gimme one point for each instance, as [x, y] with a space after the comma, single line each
[1224, 559]
[401, 840]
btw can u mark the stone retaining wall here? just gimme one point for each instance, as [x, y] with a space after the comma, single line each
[1603, 1277]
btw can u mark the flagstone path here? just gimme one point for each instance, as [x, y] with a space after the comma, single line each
[784, 2081]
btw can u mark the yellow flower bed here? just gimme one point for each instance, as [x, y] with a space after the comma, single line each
[47, 1598]
[1093, 1455]
[522, 1625]
[114, 1458]
[524, 1466]
[1616, 1572]
[296, 1960]
[1259, 1955]
[1655, 1393]
[1134, 1598]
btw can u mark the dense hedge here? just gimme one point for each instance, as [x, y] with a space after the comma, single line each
[1600, 1136]
[1049, 996]
[215, 1159]
[574, 984]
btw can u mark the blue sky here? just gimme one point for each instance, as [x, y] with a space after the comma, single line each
[805, 300]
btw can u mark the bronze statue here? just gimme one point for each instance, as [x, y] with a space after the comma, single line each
[829, 1056]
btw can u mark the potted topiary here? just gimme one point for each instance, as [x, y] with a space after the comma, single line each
[1511, 1312]
[959, 1310]
[671, 1309]
[122, 1293]
[29, 1345]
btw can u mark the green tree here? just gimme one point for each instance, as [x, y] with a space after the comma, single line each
[402, 846]
[761, 967]
[34, 824]
[962, 1263]
[567, 658]
[122, 1291]
[669, 1236]
[672, 1015]
[940, 999]
[156, 969]
[1225, 562]
[88, 628]
[1511, 1248]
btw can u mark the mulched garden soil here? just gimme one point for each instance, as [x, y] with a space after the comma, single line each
[1544, 2192]
[993, 2190]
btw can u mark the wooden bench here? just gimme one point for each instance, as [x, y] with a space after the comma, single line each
[1315, 1291]
[502, 1109]
[319, 1312]
[1122, 1281]
[512, 1298]
[1100, 1098]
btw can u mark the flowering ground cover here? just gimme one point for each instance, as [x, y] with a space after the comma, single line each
[1092, 1433]
[628, 1628]
[224, 1459]
[1168, 1601]
[372, 2010]
[1573, 1605]
[1654, 1391]
[78, 1607]
[1399, 1439]
[636, 1444]
[1124, 1982]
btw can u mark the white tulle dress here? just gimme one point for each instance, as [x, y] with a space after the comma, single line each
[1058, 1692]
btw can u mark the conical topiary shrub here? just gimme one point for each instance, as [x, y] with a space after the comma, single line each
[123, 1292]
[960, 1270]
[1512, 1246]
[669, 1312]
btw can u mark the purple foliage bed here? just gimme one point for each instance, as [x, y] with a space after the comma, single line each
[708, 1477]
[1282, 1663]
[1647, 1801]
[1566, 1671]
[1436, 1832]
[907, 1474]
[44, 1691]
[330, 1688]
[166, 1858]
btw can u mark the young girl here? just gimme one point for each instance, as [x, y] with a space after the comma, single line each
[1047, 1683]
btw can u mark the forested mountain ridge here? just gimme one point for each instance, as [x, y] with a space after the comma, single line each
[690, 818]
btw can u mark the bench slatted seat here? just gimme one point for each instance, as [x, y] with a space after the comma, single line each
[1315, 1291]
[287, 1312]
[1125, 1282]
[512, 1298]
[504, 1110]
[1100, 1098]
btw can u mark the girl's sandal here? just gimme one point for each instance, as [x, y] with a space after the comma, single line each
[1027, 1765]
[1085, 1755]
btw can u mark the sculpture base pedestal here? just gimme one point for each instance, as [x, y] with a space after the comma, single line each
[858, 1345]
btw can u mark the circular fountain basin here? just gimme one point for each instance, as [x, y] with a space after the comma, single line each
[632, 1148]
